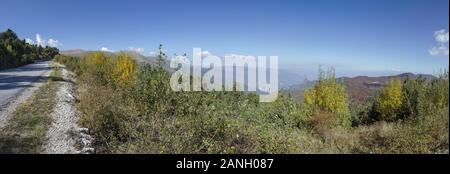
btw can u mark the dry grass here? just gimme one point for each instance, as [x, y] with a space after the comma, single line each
[26, 130]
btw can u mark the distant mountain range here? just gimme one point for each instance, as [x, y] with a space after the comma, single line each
[359, 88]
[362, 87]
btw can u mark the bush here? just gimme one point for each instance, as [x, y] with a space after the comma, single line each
[327, 95]
[414, 98]
[71, 63]
[430, 136]
[390, 100]
[124, 69]
[132, 109]
[423, 127]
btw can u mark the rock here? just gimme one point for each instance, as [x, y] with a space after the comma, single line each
[83, 130]
[85, 143]
[87, 150]
[85, 136]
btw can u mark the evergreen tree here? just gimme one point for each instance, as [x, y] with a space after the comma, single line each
[161, 59]
[15, 52]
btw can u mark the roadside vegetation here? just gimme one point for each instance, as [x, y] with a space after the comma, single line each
[15, 52]
[26, 130]
[130, 108]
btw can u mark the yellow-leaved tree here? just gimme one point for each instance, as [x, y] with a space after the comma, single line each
[124, 69]
[390, 100]
[328, 96]
[96, 67]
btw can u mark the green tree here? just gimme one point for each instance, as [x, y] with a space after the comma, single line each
[438, 92]
[161, 59]
[15, 52]
[414, 97]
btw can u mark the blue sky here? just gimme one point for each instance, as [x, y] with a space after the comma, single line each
[354, 35]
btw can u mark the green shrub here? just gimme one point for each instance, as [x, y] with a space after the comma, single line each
[143, 115]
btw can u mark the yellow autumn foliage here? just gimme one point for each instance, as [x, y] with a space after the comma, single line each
[328, 95]
[89, 61]
[109, 69]
[390, 100]
[124, 69]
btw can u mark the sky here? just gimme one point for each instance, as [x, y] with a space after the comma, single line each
[350, 35]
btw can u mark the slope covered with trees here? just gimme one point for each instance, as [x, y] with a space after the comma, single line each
[15, 52]
[131, 109]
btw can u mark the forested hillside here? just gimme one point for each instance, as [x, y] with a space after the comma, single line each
[15, 52]
[130, 108]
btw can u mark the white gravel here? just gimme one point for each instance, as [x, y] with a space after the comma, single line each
[65, 136]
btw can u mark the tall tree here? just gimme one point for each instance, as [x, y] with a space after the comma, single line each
[15, 52]
[161, 59]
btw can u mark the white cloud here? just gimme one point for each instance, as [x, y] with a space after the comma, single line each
[53, 43]
[138, 50]
[441, 37]
[39, 40]
[106, 49]
[42, 42]
[439, 51]
[29, 41]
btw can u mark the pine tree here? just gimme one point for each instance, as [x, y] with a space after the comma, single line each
[161, 59]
